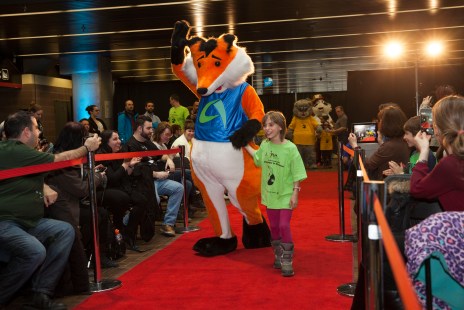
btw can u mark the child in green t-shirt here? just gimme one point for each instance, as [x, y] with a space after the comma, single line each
[282, 171]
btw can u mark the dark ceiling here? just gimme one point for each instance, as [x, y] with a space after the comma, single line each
[303, 45]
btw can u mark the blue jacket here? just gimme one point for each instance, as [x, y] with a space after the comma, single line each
[125, 129]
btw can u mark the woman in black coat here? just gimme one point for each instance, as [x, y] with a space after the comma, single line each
[120, 195]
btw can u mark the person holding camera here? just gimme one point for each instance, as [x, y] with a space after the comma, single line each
[438, 238]
[392, 147]
[120, 195]
[445, 181]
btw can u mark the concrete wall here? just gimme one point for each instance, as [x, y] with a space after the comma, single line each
[45, 91]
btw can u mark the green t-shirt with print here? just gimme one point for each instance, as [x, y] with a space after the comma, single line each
[178, 115]
[281, 166]
[21, 198]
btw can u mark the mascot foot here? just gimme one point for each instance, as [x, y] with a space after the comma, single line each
[215, 246]
[256, 236]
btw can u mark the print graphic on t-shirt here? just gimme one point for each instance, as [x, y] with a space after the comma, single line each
[219, 105]
[273, 160]
[271, 179]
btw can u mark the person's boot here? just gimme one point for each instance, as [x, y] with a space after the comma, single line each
[277, 247]
[287, 259]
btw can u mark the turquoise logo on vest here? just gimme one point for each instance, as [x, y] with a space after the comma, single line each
[219, 105]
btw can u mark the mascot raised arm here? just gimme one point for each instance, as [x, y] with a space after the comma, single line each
[229, 116]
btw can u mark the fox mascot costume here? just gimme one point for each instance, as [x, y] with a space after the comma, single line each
[229, 116]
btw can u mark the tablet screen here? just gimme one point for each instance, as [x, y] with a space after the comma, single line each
[365, 132]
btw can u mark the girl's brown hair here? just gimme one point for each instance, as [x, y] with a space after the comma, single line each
[279, 119]
[448, 117]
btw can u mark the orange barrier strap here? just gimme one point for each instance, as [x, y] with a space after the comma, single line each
[406, 291]
[361, 164]
[21, 171]
[348, 150]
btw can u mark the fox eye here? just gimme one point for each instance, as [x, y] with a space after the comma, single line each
[199, 64]
[217, 63]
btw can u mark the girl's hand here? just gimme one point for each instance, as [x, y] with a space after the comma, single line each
[422, 140]
[294, 200]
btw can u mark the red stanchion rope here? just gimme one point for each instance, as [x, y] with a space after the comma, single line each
[21, 171]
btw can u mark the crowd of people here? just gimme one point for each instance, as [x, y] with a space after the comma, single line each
[435, 163]
[45, 241]
[41, 216]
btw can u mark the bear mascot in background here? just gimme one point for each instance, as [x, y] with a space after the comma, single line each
[303, 130]
[228, 118]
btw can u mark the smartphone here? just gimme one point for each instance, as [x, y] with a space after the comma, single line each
[426, 120]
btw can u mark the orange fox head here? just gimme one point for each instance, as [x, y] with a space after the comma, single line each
[216, 64]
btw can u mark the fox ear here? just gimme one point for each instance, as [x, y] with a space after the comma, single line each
[230, 39]
[194, 40]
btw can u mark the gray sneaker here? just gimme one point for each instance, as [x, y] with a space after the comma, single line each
[168, 230]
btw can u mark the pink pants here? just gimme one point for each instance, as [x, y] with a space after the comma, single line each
[279, 220]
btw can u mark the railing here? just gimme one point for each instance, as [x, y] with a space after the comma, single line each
[374, 237]
[100, 284]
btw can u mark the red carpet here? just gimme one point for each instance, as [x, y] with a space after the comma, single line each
[175, 278]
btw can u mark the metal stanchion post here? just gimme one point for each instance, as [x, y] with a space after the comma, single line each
[187, 227]
[99, 285]
[348, 289]
[373, 251]
[342, 237]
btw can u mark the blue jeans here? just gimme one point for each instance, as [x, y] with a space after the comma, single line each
[177, 176]
[175, 191]
[41, 252]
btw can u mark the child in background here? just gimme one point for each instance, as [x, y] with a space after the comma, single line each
[326, 142]
[411, 128]
[282, 171]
